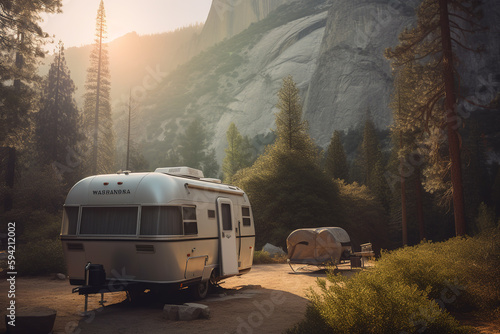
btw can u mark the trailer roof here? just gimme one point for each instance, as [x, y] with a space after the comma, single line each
[152, 188]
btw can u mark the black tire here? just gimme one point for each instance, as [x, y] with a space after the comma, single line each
[200, 290]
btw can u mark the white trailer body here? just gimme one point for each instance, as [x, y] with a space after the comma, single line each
[166, 227]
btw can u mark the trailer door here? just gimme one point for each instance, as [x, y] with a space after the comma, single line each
[228, 257]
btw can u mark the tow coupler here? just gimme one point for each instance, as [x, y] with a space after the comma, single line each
[95, 282]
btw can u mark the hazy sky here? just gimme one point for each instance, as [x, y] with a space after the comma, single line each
[76, 25]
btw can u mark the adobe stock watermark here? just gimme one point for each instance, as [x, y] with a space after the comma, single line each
[262, 310]
[73, 159]
[151, 80]
[448, 295]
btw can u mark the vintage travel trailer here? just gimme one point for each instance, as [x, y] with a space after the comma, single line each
[168, 228]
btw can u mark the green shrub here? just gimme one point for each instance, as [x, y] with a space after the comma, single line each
[263, 257]
[461, 273]
[372, 303]
[314, 323]
[40, 257]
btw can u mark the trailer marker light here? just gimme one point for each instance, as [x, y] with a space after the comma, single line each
[120, 183]
[106, 183]
[188, 255]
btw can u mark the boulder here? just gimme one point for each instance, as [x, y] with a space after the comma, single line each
[171, 312]
[205, 310]
[273, 250]
[187, 313]
[60, 277]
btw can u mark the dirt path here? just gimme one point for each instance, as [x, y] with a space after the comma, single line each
[269, 299]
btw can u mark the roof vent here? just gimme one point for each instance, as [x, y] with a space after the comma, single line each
[181, 171]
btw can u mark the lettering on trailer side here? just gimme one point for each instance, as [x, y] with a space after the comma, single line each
[111, 192]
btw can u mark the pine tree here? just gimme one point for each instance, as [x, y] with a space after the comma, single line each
[237, 153]
[408, 135]
[193, 151]
[137, 161]
[128, 149]
[430, 43]
[336, 161]
[210, 165]
[97, 107]
[193, 145]
[291, 130]
[57, 122]
[21, 46]
[286, 185]
[372, 164]
[370, 151]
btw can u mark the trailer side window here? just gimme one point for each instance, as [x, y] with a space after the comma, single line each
[70, 220]
[109, 220]
[161, 220]
[189, 219]
[245, 213]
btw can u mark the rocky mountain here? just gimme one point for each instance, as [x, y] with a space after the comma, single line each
[352, 77]
[237, 79]
[332, 48]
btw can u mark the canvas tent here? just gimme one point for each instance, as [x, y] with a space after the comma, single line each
[318, 246]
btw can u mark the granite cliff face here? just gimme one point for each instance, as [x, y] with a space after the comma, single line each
[230, 17]
[333, 50]
[237, 80]
[352, 76]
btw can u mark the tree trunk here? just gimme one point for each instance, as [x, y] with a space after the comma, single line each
[420, 207]
[10, 171]
[452, 120]
[404, 223]
[97, 105]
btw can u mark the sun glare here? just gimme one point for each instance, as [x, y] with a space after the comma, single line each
[76, 25]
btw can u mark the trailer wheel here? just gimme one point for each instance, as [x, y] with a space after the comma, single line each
[200, 290]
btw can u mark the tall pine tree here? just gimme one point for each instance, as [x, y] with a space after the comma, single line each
[372, 164]
[237, 153]
[291, 129]
[430, 43]
[97, 120]
[286, 185]
[192, 150]
[57, 122]
[407, 135]
[193, 144]
[336, 165]
[21, 46]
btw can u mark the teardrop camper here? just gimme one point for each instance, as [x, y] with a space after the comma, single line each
[318, 246]
[171, 227]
